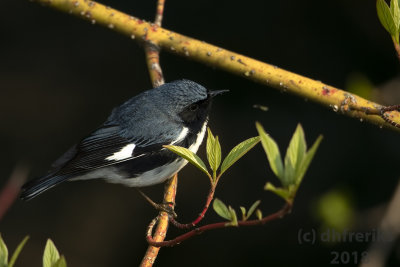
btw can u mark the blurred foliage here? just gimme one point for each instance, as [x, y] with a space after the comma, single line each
[335, 210]
[359, 84]
[51, 256]
[297, 160]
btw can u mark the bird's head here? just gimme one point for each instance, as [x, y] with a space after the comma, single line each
[188, 100]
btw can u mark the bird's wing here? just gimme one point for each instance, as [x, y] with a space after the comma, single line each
[102, 148]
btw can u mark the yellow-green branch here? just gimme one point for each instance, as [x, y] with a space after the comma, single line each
[338, 100]
[162, 224]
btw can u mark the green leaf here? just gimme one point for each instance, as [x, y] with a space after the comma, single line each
[3, 253]
[394, 9]
[243, 209]
[282, 192]
[295, 154]
[288, 174]
[60, 262]
[237, 152]
[50, 255]
[386, 18]
[307, 160]
[253, 208]
[17, 251]
[259, 214]
[297, 148]
[189, 156]
[272, 151]
[234, 221]
[213, 151]
[221, 209]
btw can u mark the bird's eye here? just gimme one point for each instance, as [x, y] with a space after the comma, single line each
[193, 107]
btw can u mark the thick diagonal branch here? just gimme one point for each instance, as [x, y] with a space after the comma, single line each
[338, 100]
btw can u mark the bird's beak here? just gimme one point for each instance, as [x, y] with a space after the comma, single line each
[217, 92]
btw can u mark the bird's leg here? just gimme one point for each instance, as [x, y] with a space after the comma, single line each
[167, 207]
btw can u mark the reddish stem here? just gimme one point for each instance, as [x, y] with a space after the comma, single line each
[201, 215]
[277, 215]
[397, 48]
[11, 190]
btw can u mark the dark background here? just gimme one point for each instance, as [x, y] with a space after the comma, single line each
[60, 77]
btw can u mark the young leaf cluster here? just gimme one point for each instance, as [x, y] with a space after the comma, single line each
[214, 157]
[51, 257]
[297, 160]
[4, 262]
[246, 214]
[227, 212]
[389, 17]
[290, 171]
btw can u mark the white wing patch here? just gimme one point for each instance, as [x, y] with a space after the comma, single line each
[181, 136]
[124, 153]
[200, 136]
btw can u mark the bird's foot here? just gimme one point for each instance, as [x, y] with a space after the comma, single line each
[167, 207]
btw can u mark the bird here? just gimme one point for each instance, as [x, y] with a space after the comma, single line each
[128, 148]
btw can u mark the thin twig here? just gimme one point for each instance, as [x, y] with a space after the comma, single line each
[152, 52]
[388, 118]
[396, 47]
[277, 215]
[201, 215]
[162, 223]
[153, 64]
[159, 12]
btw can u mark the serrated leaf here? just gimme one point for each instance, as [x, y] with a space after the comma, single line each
[189, 156]
[282, 192]
[243, 209]
[234, 221]
[297, 148]
[3, 253]
[394, 9]
[307, 160]
[50, 255]
[385, 17]
[213, 151]
[61, 262]
[272, 151]
[288, 174]
[237, 152]
[295, 154]
[259, 214]
[253, 208]
[221, 209]
[17, 251]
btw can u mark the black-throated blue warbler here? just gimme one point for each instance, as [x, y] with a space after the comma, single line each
[128, 147]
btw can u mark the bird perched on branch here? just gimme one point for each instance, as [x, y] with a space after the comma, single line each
[128, 147]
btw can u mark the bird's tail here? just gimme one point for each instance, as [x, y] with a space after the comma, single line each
[37, 186]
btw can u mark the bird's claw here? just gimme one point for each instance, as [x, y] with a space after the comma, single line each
[167, 207]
